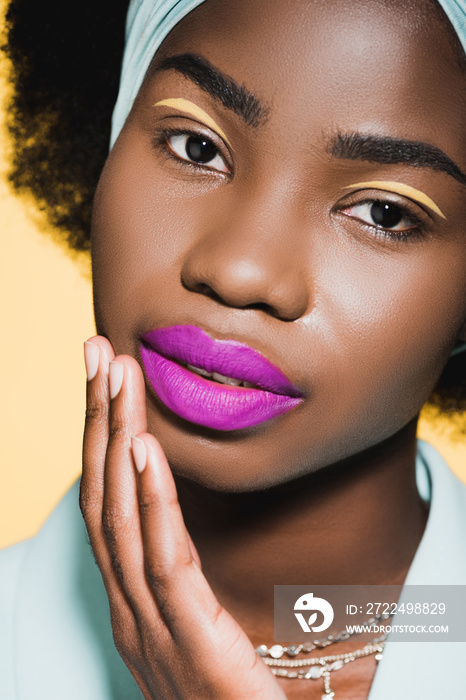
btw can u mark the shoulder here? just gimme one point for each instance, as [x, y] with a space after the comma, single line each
[55, 632]
[11, 559]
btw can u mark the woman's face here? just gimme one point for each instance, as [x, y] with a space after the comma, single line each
[269, 234]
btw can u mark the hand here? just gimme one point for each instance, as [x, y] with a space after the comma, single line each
[169, 628]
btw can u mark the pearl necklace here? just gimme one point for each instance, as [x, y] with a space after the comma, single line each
[319, 666]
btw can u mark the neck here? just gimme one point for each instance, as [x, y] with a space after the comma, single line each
[356, 522]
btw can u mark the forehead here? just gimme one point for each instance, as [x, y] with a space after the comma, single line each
[378, 65]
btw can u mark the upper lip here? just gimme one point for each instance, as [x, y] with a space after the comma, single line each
[192, 345]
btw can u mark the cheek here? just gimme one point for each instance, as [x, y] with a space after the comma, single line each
[139, 235]
[395, 316]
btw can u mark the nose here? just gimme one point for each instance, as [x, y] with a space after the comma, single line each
[249, 257]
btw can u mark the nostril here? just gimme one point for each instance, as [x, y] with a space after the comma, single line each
[262, 306]
[206, 289]
[203, 288]
[240, 282]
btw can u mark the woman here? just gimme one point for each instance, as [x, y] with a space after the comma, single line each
[282, 207]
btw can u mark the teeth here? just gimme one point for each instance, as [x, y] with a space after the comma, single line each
[226, 380]
[220, 377]
[198, 370]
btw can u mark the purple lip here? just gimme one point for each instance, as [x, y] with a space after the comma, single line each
[209, 403]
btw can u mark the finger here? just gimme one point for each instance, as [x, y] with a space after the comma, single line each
[98, 353]
[120, 514]
[171, 562]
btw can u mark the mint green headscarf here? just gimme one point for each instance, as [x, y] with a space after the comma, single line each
[455, 10]
[147, 24]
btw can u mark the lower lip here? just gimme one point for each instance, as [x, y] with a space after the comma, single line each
[208, 403]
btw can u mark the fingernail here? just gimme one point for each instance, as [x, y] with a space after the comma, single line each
[139, 451]
[115, 378]
[91, 359]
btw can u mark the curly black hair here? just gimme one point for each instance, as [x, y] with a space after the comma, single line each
[65, 63]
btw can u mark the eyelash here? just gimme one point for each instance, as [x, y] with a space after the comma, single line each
[418, 229]
[161, 141]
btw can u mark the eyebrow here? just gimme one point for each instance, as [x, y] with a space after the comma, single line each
[218, 85]
[390, 151]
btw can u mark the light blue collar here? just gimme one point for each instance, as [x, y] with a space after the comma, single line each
[64, 646]
[426, 670]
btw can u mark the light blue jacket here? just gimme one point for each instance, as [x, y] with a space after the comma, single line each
[55, 635]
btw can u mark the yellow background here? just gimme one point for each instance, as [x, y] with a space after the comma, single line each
[46, 314]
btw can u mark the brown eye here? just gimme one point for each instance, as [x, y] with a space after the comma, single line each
[196, 148]
[382, 215]
[200, 149]
[385, 214]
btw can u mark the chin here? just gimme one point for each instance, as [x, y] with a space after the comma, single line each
[226, 461]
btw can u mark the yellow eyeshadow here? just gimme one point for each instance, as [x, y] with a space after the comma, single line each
[182, 105]
[400, 188]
